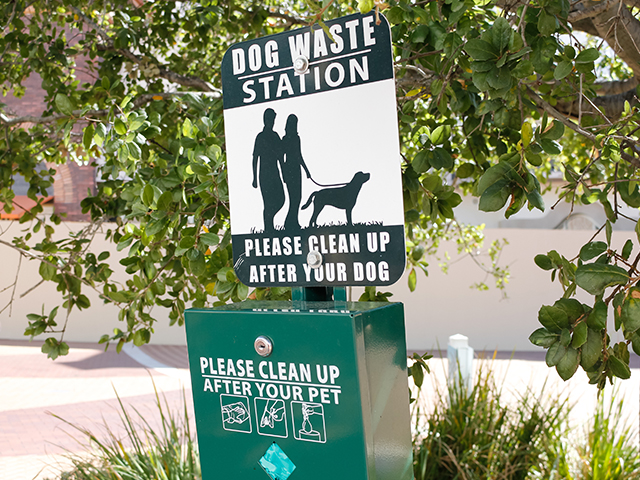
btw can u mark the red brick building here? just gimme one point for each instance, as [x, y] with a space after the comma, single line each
[72, 181]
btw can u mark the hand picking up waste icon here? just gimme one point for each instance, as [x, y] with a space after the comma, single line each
[273, 412]
[235, 413]
[307, 431]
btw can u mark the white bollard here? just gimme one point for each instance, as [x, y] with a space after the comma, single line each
[460, 356]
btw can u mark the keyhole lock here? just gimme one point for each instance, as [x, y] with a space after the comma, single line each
[263, 346]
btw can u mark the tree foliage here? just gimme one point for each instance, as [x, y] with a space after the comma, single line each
[489, 93]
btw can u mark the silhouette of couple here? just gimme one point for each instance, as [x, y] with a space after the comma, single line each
[271, 152]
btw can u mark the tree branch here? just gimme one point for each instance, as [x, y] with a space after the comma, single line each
[558, 116]
[184, 80]
[583, 12]
[137, 102]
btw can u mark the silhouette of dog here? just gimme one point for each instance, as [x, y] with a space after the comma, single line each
[343, 198]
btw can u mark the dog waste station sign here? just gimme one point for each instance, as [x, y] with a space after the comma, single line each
[316, 387]
[314, 156]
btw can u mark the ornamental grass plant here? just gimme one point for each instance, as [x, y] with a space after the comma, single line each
[477, 435]
[142, 452]
[483, 435]
[610, 451]
[480, 434]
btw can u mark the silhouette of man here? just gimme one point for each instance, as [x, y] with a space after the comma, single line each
[267, 155]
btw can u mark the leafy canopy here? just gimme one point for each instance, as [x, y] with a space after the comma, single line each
[492, 97]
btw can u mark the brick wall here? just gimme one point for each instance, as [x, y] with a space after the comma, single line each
[72, 181]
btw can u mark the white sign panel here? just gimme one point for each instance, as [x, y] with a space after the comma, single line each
[313, 156]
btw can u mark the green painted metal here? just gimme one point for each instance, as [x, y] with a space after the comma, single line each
[333, 393]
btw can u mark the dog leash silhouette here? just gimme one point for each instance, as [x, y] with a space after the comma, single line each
[329, 184]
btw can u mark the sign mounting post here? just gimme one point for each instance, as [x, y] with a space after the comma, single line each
[310, 388]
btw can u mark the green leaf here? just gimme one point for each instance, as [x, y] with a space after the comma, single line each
[440, 135]
[441, 159]
[597, 319]
[495, 197]
[243, 291]
[197, 262]
[500, 78]
[587, 56]
[619, 368]
[543, 338]
[136, 123]
[579, 335]
[420, 34]
[555, 354]
[527, 134]
[141, 337]
[609, 232]
[210, 239]
[420, 162]
[165, 201]
[501, 34]
[101, 132]
[125, 102]
[412, 280]
[134, 150]
[119, 126]
[544, 262]
[627, 249]
[147, 195]
[568, 364]
[47, 271]
[87, 136]
[635, 343]
[523, 69]
[222, 273]
[572, 307]
[562, 69]
[591, 350]
[555, 132]
[592, 250]
[465, 170]
[549, 146]
[595, 277]
[630, 313]
[417, 374]
[492, 175]
[546, 23]
[553, 319]
[480, 50]
[565, 337]
[63, 104]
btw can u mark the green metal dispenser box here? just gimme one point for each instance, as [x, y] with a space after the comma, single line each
[316, 392]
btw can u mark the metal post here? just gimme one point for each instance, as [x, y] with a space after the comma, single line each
[460, 356]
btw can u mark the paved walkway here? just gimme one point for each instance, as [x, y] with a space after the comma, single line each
[81, 389]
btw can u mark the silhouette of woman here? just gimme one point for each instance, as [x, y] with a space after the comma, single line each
[267, 154]
[291, 170]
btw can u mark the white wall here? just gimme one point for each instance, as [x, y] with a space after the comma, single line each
[85, 326]
[444, 304]
[441, 306]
